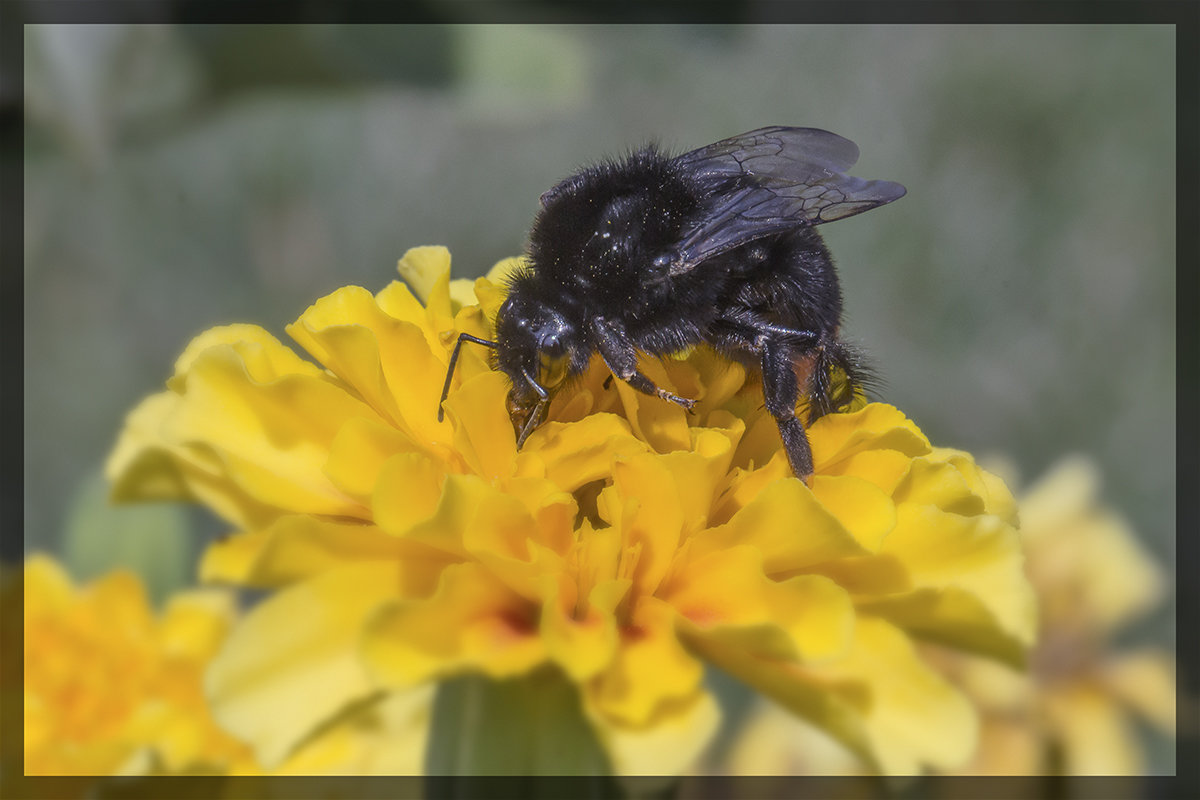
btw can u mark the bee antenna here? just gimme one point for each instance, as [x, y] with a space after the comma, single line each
[462, 337]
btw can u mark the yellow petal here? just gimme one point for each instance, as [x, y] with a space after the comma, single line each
[264, 356]
[407, 492]
[359, 452]
[462, 293]
[997, 499]
[491, 296]
[721, 379]
[456, 511]
[580, 452]
[423, 267]
[387, 737]
[880, 699]
[297, 547]
[651, 516]
[502, 535]
[744, 485]
[299, 643]
[697, 475]
[1145, 681]
[669, 744]
[195, 623]
[471, 623]
[726, 598]
[397, 301]
[1007, 747]
[147, 466]
[1092, 571]
[882, 468]
[273, 438]
[969, 584]
[867, 513]
[662, 424]
[483, 431]
[390, 363]
[651, 669]
[775, 742]
[877, 426]
[48, 589]
[504, 269]
[939, 484]
[788, 525]
[581, 637]
[1094, 734]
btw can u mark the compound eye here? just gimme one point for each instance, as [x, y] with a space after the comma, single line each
[552, 345]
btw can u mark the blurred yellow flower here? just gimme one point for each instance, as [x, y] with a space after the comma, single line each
[1072, 713]
[110, 688]
[626, 544]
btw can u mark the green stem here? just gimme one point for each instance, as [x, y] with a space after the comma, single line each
[527, 726]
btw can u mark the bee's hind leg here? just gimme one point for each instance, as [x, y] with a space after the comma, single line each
[781, 390]
[777, 348]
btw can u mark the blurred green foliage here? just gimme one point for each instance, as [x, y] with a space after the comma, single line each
[152, 539]
[1018, 302]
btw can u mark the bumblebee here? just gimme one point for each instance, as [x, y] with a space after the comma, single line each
[654, 254]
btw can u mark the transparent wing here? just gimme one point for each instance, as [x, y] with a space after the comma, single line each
[770, 180]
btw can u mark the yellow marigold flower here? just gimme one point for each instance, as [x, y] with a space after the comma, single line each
[625, 545]
[110, 687]
[1073, 712]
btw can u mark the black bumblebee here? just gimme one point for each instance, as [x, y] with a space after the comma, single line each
[655, 254]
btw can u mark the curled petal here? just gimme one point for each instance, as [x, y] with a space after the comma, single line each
[145, 465]
[788, 525]
[838, 438]
[969, 589]
[725, 598]
[390, 363]
[578, 453]
[265, 358]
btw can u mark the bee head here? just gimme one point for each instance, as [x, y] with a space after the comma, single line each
[537, 347]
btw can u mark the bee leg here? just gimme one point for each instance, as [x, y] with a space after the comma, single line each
[742, 330]
[621, 358]
[781, 390]
[462, 337]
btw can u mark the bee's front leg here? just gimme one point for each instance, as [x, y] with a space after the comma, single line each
[621, 357]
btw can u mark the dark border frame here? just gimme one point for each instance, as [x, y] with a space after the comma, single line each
[1183, 14]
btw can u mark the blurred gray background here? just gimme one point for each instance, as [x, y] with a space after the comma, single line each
[1019, 302]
